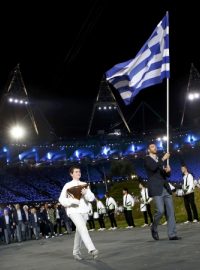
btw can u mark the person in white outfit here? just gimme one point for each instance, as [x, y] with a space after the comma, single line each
[101, 211]
[111, 206]
[128, 203]
[189, 200]
[145, 206]
[78, 210]
[91, 218]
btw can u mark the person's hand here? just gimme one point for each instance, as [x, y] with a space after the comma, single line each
[83, 191]
[167, 169]
[166, 156]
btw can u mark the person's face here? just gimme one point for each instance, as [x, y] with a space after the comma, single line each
[124, 192]
[17, 206]
[5, 212]
[140, 186]
[152, 149]
[183, 169]
[76, 174]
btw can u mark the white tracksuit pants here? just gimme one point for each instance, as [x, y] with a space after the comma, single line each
[82, 233]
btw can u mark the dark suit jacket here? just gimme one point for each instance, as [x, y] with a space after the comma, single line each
[3, 222]
[32, 220]
[15, 217]
[157, 177]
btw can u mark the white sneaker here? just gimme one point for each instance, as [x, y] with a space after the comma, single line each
[110, 228]
[165, 223]
[100, 229]
[130, 227]
[114, 228]
[195, 220]
[78, 257]
[144, 225]
[186, 222]
[94, 253]
[127, 227]
[91, 230]
[103, 229]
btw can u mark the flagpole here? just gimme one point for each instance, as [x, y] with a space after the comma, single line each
[168, 140]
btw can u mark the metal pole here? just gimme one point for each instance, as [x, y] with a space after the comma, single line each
[168, 118]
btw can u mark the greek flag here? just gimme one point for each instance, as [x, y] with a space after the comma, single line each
[150, 66]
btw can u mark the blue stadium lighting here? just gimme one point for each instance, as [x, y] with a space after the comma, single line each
[161, 144]
[176, 146]
[5, 150]
[77, 153]
[190, 139]
[133, 148]
[49, 155]
[105, 150]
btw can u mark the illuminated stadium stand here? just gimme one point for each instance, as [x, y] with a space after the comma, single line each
[37, 173]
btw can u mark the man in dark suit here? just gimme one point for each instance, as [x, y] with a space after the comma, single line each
[19, 219]
[7, 225]
[160, 190]
[35, 222]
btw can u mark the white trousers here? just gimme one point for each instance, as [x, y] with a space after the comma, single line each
[82, 234]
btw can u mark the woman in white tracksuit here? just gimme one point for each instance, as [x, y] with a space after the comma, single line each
[78, 210]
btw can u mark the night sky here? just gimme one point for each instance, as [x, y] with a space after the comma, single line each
[64, 50]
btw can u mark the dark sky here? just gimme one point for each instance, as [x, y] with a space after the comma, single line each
[65, 48]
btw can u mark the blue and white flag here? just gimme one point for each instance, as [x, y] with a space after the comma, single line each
[150, 66]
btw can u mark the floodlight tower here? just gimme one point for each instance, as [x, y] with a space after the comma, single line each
[15, 106]
[106, 101]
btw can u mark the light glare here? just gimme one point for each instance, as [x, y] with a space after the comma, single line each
[17, 132]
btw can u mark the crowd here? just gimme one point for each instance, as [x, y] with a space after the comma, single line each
[27, 222]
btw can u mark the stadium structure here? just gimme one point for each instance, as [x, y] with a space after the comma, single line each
[36, 171]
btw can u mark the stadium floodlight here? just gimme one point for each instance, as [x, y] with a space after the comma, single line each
[165, 138]
[17, 132]
[193, 96]
[17, 100]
